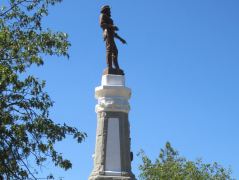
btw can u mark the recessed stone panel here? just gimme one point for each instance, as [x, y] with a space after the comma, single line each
[113, 159]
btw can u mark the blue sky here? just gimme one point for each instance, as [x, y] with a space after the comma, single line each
[181, 63]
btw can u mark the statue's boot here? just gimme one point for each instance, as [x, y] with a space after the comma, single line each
[118, 70]
[115, 61]
[109, 60]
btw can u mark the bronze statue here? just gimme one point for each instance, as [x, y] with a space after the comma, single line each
[109, 33]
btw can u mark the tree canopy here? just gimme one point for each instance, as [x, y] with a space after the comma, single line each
[170, 166]
[27, 133]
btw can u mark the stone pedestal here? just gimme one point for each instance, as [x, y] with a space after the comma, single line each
[112, 160]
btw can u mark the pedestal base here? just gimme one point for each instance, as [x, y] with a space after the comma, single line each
[122, 176]
[113, 71]
[110, 178]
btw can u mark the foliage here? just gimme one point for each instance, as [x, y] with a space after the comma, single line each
[27, 134]
[170, 166]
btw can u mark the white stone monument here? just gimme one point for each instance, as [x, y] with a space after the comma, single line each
[112, 157]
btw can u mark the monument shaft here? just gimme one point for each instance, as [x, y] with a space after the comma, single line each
[112, 157]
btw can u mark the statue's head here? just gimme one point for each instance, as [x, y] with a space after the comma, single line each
[106, 10]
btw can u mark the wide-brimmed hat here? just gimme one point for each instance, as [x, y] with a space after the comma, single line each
[103, 8]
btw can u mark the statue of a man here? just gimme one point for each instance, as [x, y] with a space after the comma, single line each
[109, 33]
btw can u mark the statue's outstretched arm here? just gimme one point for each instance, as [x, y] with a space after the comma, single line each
[120, 38]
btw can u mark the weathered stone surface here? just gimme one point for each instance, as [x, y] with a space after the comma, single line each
[112, 95]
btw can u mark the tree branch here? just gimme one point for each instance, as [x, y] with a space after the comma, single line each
[4, 13]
